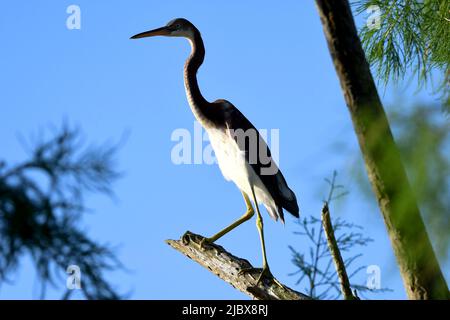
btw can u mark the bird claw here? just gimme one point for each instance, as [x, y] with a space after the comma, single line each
[186, 238]
[205, 244]
[249, 270]
[263, 273]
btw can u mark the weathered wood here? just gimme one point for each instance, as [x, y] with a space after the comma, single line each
[227, 267]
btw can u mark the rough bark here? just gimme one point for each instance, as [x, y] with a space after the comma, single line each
[422, 276]
[227, 266]
[336, 255]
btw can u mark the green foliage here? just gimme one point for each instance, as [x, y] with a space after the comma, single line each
[423, 137]
[41, 204]
[413, 39]
[413, 36]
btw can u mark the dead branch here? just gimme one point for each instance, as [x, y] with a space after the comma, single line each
[336, 255]
[227, 267]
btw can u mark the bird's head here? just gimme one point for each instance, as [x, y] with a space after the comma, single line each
[179, 27]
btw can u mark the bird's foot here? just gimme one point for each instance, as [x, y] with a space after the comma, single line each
[264, 273]
[249, 270]
[205, 243]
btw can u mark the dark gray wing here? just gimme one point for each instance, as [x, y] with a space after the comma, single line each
[258, 154]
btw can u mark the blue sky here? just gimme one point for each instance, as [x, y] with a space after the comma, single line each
[269, 59]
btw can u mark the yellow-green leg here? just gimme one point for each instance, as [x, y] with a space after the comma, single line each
[260, 226]
[247, 215]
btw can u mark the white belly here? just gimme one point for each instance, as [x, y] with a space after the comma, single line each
[233, 166]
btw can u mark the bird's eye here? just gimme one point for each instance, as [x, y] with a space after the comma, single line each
[178, 26]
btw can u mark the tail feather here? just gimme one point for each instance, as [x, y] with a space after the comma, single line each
[288, 200]
[291, 206]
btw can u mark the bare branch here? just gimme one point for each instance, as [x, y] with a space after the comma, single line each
[336, 254]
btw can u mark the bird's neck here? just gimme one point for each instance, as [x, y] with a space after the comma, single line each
[196, 101]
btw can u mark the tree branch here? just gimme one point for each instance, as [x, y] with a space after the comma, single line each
[227, 266]
[336, 254]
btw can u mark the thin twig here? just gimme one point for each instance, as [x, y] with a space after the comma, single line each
[336, 254]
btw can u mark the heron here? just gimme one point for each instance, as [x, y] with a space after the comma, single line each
[242, 154]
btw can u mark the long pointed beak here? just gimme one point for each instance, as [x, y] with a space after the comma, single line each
[163, 31]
